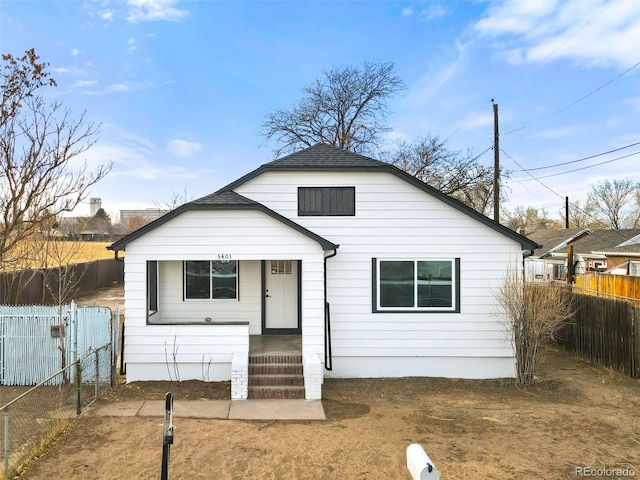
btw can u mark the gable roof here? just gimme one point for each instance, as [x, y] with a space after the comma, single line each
[221, 201]
[320, 157]
[550, 241]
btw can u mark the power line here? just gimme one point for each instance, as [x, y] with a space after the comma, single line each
[584, 97]
[580, 159]
[579, 169]
[532, 177]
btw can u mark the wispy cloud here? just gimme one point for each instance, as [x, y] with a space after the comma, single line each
[84, 83]
[433, 11]
[431, 82]
[154, 10]
[183, 148]
[558, 133]
[118, 88]
[591, 33]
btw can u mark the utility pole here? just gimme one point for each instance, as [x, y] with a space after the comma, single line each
[496, 164]
[566, 212]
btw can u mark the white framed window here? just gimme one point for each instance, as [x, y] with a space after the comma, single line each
[634, 269]
[416, 285]
[211, 279]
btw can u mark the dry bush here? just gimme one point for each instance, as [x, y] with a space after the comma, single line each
[534, 313]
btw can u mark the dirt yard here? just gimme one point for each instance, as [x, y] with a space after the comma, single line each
[576, 415]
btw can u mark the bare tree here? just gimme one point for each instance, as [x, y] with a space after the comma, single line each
[173, 201]
[458, 174]
[39, 147]
[346, 107]
[528, 220]
[612, 201]
[534, 314]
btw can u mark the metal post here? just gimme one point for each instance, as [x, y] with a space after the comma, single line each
[97, 373]
[78, 387]
[167, 436]
[6, 442]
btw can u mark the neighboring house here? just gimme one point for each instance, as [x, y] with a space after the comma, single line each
[624, 259]
[378, 273]
[133, 219]
[549, 261]
[593, 250]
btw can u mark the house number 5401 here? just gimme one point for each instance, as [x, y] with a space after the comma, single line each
[224, 256]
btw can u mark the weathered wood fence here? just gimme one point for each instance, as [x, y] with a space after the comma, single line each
[620, 287]
[28, 287]
[606, 332]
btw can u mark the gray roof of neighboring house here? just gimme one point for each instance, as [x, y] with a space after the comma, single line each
[596, 241]
[549, 239]
[318, 157]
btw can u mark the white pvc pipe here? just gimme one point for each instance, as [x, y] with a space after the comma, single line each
[420, 465]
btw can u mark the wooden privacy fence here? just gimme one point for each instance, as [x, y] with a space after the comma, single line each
[604, 331]
[621, 287]
[28, 287]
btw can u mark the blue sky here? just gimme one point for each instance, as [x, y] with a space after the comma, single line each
[181, 88]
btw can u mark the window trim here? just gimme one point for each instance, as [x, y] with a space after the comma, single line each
[455, 288]
[325, 200]
[152, 287]
[210, 298]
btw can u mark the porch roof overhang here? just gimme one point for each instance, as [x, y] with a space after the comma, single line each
[221, 201]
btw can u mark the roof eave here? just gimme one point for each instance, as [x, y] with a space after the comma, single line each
[121, 244]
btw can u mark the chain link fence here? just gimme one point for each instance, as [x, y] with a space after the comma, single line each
[36, 415]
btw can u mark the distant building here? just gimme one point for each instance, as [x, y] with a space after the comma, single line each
[95, 204]
[131, 220]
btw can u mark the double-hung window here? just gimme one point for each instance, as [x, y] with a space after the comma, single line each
[416, 285]
[211, 279]
[326, 201]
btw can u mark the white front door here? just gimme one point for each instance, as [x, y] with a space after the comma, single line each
[281, 292]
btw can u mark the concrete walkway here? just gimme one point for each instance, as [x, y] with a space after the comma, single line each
[220, 409]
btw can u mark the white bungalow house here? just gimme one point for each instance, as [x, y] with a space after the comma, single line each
[373, 272]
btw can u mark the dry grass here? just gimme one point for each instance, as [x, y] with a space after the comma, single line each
[57, 253]
[81, 252]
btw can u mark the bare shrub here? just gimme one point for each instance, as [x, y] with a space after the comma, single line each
[534, 313]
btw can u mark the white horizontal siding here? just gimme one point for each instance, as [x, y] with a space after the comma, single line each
[246, 236]
[186, 351]
[394, 219]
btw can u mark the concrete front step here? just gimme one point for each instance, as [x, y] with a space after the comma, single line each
[276, 376]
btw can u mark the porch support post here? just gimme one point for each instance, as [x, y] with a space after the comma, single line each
[240, 375]
[312, 368]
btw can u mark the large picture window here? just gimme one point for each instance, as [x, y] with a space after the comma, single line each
[326, 201]
[211, 279]
[421, 285]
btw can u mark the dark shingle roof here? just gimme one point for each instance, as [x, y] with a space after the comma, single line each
[326, 156]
